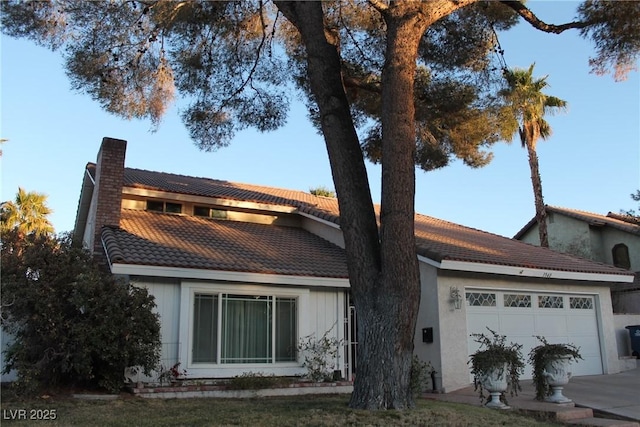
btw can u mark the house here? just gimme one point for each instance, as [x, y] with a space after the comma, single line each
[611, 239]
[241, 272]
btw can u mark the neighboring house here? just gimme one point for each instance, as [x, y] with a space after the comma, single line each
[611, 239]
[241, 273]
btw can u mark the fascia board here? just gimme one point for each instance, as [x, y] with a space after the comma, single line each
[429, 261]
[320, 220]
[231, 276]
[477, 267]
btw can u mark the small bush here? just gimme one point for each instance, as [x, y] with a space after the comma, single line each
[420, 376]
[319, 355]
[494, 353]
[544, 353]
[72, 323]
[171, 374]
[255, 381]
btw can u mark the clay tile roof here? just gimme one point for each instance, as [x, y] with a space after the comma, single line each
[442, 240]
[148, 238]
[164, 238]
[324, 207]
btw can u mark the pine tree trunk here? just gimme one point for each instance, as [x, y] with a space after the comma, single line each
[388, 315]
[536, 182]
[383, 266]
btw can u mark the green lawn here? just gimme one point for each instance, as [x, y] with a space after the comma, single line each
[322, 410]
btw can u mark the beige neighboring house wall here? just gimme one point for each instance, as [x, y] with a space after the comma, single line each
[593, 236]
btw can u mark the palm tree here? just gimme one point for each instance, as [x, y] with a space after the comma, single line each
[27, 214]
[528, 106]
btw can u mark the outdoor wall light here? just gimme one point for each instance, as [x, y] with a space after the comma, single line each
[455, 297]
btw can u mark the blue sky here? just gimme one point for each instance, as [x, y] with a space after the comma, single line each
[591, 162]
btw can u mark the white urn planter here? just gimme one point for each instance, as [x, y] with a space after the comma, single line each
[495, 382]
[557, 375]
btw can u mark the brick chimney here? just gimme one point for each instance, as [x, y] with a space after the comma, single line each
[106, 200]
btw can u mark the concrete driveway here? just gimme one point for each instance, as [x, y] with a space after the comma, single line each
[617, 394]
[609, 396]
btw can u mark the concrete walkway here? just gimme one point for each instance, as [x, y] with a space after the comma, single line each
[614, 396]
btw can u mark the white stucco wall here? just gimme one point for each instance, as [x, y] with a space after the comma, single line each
[429, 317]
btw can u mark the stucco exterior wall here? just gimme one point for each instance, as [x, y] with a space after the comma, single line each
[453, 323]
[429, 317]
[570, 236]
[612, 237]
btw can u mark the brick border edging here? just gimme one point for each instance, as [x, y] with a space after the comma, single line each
[224, 391]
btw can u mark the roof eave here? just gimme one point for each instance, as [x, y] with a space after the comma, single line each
[231, 276]
[84, 204]
[508, 270]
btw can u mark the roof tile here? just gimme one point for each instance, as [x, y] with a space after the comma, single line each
[149, 238]
[195, 242]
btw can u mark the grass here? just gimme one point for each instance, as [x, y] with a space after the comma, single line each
[322, 410]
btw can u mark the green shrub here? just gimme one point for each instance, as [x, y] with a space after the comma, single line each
[72, 323]
[544, 353]
[420, 376]
[494, 353]
[319, 356]
[255, 381]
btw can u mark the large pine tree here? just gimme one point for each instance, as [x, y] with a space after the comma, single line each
[414, 78]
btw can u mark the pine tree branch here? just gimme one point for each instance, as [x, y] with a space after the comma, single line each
[379, 5]
[537, 23]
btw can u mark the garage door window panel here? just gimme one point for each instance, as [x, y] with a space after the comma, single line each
[517, 300]
[581, 303]
[558, 317]
[550, 301]
[481, 299]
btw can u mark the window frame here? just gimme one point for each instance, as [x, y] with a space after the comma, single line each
[167, 207]
[620, 256]
[188, 293]
[211, 212]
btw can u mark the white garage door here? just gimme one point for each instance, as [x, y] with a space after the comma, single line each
[523, 315]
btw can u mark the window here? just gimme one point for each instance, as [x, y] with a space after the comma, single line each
[173, 207]
[517, 300]
[168, 207]
[581, 303]
[549, 301]
[231, 328]
[205, 330]
[620, 254]
[479, 299]
[155, 206]
[209, 212]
